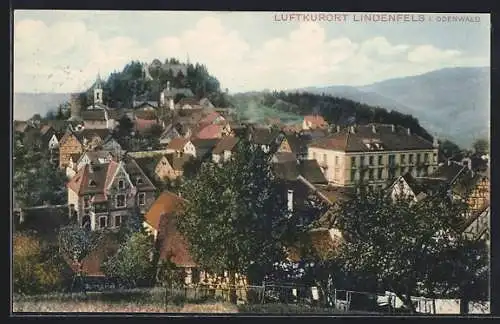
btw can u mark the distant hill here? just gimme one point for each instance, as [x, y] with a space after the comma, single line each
[452, 102]
[28, 104]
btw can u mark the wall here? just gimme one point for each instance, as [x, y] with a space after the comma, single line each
[95, 124]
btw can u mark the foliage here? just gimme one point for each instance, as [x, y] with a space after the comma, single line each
[448, 149]
[36, 180]
[235, 217]
[412, 248]
[169, 275]
[132, 262]
[35, 268]
[481, 146]
[125, 126]
[76, 243]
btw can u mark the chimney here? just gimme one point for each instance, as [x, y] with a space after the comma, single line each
[393, 128]
[374, 130]
[409, 131]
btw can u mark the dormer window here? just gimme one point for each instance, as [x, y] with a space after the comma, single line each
[121, 184]
[139, 181]
[92, 183]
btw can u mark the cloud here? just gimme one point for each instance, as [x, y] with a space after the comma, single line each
[66, 56]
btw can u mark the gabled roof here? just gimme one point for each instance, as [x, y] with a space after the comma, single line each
[449, 171]
[148, 164]
[166, 204]
[309, 169]
[103, 134]
[95, 157]
[45, 128]
[139, 104]
[210, 118]
[177, 143]
[135, 172]
[296, 142]
[264, 136]
[99, 115]
[209, 132]
[226, 143]
[369, 138]
[189, 101]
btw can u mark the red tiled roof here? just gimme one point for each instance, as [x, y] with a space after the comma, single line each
[144, 124]
[177, 143]
[210, 118]
[113, 165]
[227, 143]
[167, 203]
[210, 131]
[316, 120]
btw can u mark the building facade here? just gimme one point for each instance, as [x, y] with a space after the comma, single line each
[373, 154]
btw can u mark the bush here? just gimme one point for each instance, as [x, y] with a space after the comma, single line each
[37, 268]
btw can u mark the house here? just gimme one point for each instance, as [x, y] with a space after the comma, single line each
[93, 139]
[168, 95]
[148, 164]
[21, 126]
[104, 195]
[111, 145]
[145, 105]
[309, 169]
[373, 154]
[311, 122]
[145, 119]
[204, 147]
[212, 118]
[268, 139]
[168, 134]
[49, 137]
[69, 144]
[98, 118]
[181, 145]
[161, 222]
[188, 103]
[224, 148]
[171, 166]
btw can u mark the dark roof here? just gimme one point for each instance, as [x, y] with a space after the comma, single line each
[148, 165]
[93, 115]
[281, 157]
[227, 143]
[146, 114]
[208, 144]
[365, 140]
[309, 169]
[46, 222]
[264, 136]
[296, 142]
[449, 171]
[178, 161]
[189, 101]
[135, 172]
[139, 104]
[424, 186]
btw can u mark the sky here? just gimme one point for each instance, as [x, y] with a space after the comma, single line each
[63, 51]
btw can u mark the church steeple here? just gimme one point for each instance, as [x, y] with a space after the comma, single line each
[98, 90]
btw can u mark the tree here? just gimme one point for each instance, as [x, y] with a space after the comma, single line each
[449, 149]
[235, 217]
[481, 146]
[76, 243]
[411, 248]
[133, 261]
[36, 268]
[125, 126]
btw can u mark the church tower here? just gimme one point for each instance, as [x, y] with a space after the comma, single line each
[98, 91]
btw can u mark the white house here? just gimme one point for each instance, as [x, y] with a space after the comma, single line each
[53, 142]
[181, 145]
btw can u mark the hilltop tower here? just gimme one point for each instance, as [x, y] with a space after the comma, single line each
[98, 90]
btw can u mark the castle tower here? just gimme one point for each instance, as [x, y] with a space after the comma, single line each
[98, 91]
[75, 105]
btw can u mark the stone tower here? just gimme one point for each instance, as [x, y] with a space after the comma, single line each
[75, 105]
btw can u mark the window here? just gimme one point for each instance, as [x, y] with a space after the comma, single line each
[392, 160]
[142, 198]
[410, 158]
[120, 201]
[163, 163]
[403, 159]
[353, 162]
[370, 160]
[103, 221]
[380, 173]
[380, 158]
[361, 160]
[410, 170]
[324, 158]
[121, 184]
[426, 157]
[379, 187]
[92, 183]
[392, 173]
[118, 220]
[370, 174]
[418, 157]
[336, 160]
[403, 170]
[353, 175]
[139, 181]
